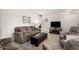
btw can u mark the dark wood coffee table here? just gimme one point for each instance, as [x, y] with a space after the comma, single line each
[38, 38]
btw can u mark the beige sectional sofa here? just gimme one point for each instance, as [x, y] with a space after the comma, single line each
[23, 34]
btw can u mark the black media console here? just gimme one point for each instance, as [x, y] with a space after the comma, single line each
[55, 27]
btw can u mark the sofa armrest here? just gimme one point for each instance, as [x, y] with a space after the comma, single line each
[18, 33]
[37, 29]
[63, 35]
[18, 36]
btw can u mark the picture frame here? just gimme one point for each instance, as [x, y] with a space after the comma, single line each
[29, 19]
[24, 19]
[46, 19]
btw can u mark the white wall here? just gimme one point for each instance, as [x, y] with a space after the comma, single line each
[69, 18]
[0, 24]
[13, 18]
[9, 19]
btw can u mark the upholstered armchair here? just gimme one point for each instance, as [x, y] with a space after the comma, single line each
[8, 44]
[23, 34]
[67, 37]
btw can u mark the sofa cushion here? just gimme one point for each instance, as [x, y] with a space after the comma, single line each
[20, 29]
[27, 34]
[33, 28]
[29, 29]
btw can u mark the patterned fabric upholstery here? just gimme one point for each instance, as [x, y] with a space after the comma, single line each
[8, 43]
[74, 30]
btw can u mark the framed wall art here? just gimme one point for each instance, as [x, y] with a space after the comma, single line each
[29, 19]
[46, 19]
[24, 19]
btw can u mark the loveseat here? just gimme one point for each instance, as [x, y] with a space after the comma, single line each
[24, 33]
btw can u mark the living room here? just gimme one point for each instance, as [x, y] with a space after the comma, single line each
[12, 18]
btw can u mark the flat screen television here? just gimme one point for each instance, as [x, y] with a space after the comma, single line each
[55, 24]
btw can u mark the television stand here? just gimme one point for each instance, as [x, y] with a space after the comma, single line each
[55, 30]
